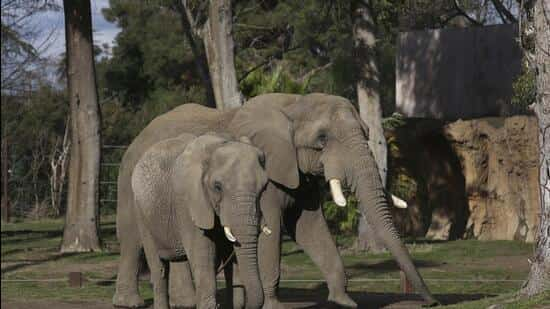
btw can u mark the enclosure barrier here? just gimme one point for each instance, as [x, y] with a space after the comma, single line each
[77, 279]
[406, 287]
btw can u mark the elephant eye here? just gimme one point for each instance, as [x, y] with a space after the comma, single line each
[322, 138]
[218, 186]
[261, 159]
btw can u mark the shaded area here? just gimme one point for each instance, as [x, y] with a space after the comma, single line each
[28, 235]
[295, 298]
[317, 298]
[27, 263]
[438, 205]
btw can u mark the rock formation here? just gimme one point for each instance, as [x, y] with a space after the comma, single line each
[499, 159]
[472, 179]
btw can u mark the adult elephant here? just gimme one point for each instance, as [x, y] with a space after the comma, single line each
[302, 136]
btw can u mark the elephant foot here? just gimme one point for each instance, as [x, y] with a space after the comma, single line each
[342, 299]
[273, 303]
[128, 301]
[182, 302]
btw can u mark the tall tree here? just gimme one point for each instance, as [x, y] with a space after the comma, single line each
[200, 61]
[216, 33]
[368, 99]
[82, 218]
[5, 178]
[539, 276]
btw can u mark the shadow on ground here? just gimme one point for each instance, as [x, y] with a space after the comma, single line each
[317, 298]
[26, 263]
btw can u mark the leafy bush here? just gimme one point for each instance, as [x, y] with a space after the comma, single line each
[33, 126]
[267, 81]
[342, 220]
[525, 90]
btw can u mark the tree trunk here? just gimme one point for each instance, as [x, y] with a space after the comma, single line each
[5, 179]
[218, 43]
[370, 110]
[82, 218]
[539, 276]
[200, 61]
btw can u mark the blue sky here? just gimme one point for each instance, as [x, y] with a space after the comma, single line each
[103, 31]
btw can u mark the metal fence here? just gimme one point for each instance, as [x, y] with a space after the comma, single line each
[111, 157]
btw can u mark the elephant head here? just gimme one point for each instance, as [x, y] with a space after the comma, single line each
[325, 136]
[225, 178]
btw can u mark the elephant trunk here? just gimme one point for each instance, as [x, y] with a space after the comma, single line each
[241, 217]
[247, 258]
[359, 170]
[374, 206]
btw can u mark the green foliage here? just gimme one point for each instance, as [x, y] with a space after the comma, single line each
[150, 53]
[525, 90]
[34, 127]
[310, 40]
[394, 121]
[278, 80]
[280, 46]
[342, 220]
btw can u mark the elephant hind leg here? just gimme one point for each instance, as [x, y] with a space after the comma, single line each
[127, 293]
[159, 273]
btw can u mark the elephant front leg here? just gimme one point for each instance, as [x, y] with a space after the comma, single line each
[309, 228]
[202, 260]
[182, 290]
[269, 246]
[234, 287]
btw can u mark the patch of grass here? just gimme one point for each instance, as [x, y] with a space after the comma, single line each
[30, 251]
[507, 301]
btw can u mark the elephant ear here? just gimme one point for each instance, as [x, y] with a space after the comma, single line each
[361, 122]
[271, 131]
[187, 178]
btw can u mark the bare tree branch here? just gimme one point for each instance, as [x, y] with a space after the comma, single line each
[504, 13]
[461, 11]
[200, 61]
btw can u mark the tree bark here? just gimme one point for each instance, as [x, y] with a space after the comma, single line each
[368, 99]
[218, 42]
[539, 275]
[82, 217]
[5, 179]
[200, 61]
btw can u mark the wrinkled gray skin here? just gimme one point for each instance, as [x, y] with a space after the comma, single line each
[181, 186]
[316, 135]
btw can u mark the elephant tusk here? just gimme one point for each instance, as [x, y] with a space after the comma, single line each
[266, 230]
[397, 202]
[228, 234]
[336, 191]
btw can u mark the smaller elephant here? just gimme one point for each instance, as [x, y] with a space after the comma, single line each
[186, 189]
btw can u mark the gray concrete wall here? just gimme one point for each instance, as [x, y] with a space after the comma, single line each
[457, 73]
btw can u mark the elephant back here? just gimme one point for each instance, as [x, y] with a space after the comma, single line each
[154, 196]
